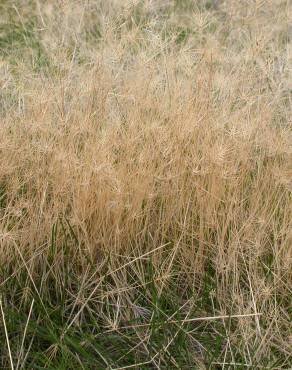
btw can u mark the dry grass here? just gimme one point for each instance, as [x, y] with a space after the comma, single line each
[145, 184]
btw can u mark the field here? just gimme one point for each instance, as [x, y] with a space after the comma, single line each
[145, 184]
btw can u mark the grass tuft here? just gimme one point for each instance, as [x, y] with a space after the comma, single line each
[145, 185]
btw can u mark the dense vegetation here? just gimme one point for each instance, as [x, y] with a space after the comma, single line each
[145, 184]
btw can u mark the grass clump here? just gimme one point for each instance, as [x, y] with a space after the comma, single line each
[145, 185]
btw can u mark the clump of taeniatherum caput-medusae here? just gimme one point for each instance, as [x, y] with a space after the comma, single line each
[145, 184]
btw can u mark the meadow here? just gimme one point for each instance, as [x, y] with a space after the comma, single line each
[145, 184]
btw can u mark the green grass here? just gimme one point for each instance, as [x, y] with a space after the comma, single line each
[91, 344]
[38, 315]
[18, 41]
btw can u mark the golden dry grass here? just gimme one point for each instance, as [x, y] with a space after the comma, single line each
[150, 133]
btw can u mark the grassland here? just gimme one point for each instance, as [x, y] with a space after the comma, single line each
[145, 184]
